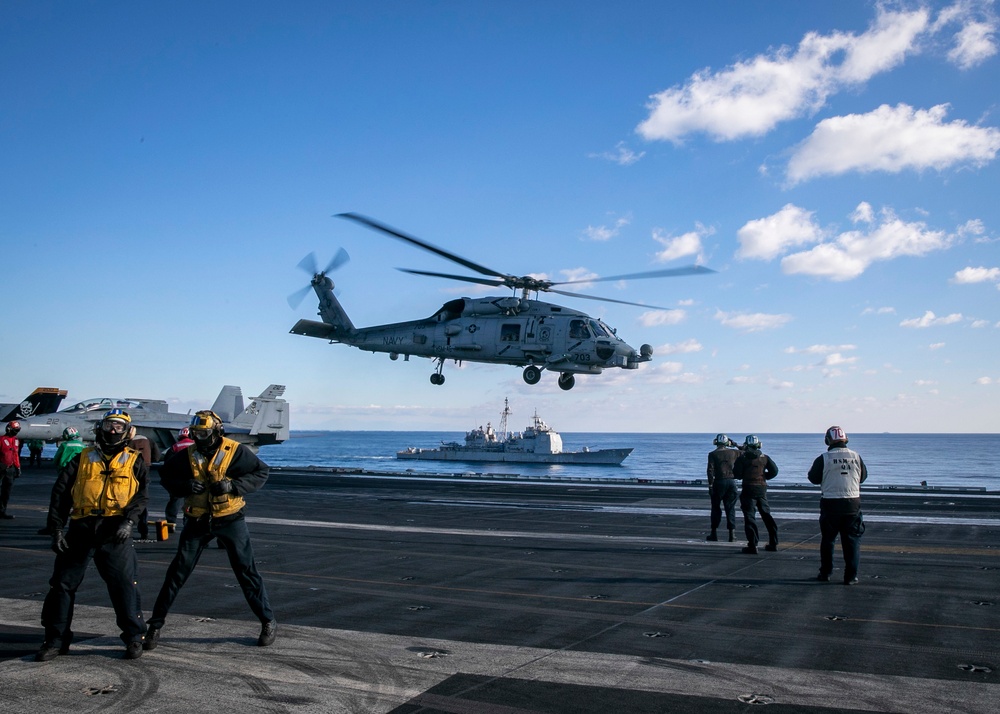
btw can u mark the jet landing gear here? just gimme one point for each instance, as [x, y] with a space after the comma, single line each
[437, 377]
[566, 381]
[532, 374]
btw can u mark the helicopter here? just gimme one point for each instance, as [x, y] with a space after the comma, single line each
[509, 329]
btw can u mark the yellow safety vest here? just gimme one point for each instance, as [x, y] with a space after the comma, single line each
[208, 470]
[104, 488]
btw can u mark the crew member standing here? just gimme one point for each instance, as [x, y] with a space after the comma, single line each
[10, 464]
[755, 469]
[840, 473]
[101, 492]
[70, 446]
[214, 474]
[722, 486]
[150, 453]
[174, 502]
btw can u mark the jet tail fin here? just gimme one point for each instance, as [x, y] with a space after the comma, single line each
[44, 400]
[229, 404]
[266, 417]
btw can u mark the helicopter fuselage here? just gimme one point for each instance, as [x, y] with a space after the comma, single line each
[498, 330]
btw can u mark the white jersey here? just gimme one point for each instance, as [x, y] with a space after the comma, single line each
[841, 473]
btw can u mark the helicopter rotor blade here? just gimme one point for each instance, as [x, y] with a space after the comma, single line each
[604, 299]
[465, 278]
[309, 264]
[338, 260]
[296, 298]
[665, 273]
[382, 228]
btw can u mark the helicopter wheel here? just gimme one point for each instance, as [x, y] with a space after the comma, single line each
[437, 378]
[532, 374]
[566, 381]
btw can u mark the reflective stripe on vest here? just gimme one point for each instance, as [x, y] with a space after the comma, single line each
[841, 474]
[104, 488]
[209, 470]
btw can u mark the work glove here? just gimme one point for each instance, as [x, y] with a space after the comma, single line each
[59, 544]
[124, 531]
[196, 486]
[221, 487]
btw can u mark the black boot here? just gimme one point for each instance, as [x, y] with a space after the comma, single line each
[732, 536]
[712, 536]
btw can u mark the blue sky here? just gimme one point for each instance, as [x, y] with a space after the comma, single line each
[167, 165]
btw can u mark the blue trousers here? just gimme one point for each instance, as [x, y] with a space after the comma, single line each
[197, 533]
[850, 527]
[92, 538]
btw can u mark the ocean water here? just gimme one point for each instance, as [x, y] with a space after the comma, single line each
[940, 460]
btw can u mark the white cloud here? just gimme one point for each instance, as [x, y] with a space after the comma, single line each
[622, 155]
[979, 324]
[935, 346]
[752, 322]
[892, 139]
[864, 213]
[929, 319]
[683, 245]
[606, 233]
[685, 347]
[850, 254]
[987, 380]
[879, 311]
[672, 373]
[974, 44]
[768, 237]
[819, 349]
[654, 318]
[749, 98]
[970, 275]
[836, 359]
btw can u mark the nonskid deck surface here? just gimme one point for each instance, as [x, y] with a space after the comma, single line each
[416, 594]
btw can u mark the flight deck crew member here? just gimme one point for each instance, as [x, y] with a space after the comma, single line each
[10, 464]
[722, 486]
[755, 469]
[70, 446]
[101, 492]
[840, 473]
[150, 453]
[174, 503]
[213, 475]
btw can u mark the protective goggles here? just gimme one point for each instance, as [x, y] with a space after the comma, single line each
[114, 426]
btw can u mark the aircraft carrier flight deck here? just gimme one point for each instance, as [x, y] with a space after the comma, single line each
[406, 594]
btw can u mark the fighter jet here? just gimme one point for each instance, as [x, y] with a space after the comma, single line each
[264, 421]
[44, 400]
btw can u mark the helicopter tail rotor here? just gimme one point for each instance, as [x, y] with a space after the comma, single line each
[309, 265]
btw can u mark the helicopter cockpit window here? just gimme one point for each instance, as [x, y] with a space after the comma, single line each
[510, 332]
[598, 329]
[578, 330]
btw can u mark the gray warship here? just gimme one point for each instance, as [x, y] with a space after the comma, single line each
[537, 444]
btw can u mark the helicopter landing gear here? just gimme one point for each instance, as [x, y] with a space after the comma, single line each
[566, 381]
[532, 374]
[437, 377]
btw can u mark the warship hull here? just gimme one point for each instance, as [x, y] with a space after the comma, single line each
[599, 457]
